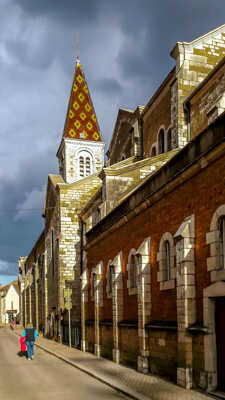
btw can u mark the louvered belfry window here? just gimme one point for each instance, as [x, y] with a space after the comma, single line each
[81, 166]
[88, 166]
[85, 164]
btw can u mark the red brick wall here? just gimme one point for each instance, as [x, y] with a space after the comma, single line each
[129, 346]
[106, 333]
[201, 195]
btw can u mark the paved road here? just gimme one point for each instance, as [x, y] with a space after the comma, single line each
[46, 377]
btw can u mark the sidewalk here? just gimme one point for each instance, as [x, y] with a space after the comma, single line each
[128, 381]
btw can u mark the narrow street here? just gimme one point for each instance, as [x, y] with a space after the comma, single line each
[44, 377]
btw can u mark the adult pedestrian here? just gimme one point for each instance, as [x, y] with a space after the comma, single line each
[31, 334]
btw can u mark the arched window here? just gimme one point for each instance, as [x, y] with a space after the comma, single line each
[153, 153]
[169, 140]
[93, 283]
[215, 238]
[85, 164]
[161, 148]
[165, 257]
[133, 272]
[221, 226]
[110, 279]
[166, 260]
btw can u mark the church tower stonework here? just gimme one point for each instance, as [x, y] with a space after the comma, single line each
[81, 152]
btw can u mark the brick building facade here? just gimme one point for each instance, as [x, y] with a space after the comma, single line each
[141, 241]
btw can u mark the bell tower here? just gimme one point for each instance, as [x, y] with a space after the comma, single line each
[81, 151]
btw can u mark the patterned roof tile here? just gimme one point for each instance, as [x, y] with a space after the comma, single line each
[81, 121]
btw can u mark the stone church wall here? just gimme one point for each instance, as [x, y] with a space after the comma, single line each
[158, 116]
[208, 103]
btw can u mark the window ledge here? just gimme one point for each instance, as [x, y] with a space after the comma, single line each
[89, 322]
[106, 322]
[218, 275]
[128, 324]
[132, 291]
[196, 329]
[167, 326]
[166, 285]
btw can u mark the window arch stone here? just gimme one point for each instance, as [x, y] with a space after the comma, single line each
[144, 302]
[117, 303]
[93, 280]
[97, 287]
[213, 239]
[163, 274]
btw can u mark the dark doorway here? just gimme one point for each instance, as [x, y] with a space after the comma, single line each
[220, 342]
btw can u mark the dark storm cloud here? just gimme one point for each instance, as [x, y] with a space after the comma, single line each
[73, 11]
[110, 87]
[18, 235]
[152, 28]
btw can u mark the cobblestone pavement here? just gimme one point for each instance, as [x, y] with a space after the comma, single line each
[128, 381]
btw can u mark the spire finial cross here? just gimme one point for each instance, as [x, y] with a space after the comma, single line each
[77, 46]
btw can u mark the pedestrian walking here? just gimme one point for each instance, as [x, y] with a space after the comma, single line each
[23, 347]
[12, 324]
[31, 334]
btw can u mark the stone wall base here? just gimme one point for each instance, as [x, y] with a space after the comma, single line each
[143, 364]
[116, 356]
[98, 350]
[83, 345]
[184, 377]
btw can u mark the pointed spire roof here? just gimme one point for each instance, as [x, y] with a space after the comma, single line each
[81, 121]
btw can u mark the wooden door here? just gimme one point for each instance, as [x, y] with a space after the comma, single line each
[220, 342]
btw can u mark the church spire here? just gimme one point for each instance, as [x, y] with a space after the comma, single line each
[81, 152]
[81, 121]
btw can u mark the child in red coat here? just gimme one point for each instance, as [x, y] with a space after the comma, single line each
[23, 346]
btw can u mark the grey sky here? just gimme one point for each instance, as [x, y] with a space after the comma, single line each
[124, 49]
